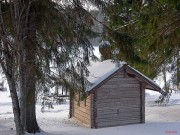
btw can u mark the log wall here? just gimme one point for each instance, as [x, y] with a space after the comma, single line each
[81, 110]
[119, 101]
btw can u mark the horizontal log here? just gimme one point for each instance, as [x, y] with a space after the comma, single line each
[119, 123]
[118, 119]
[107, 115]
[121, 89]
[121, 112]
[119, 76]
[87, 99]
[118, 95]
[135, 118]
[117, 81]
[106, 96]
[114, 110]
[126, 80]
[120, 100]
[82, 119]
[115, 101]
[82, 104]
[84, 110]
[109, 86]
[116, 105]
[77, 99]
[119, 73]
[123, 77]
[81, 114]
[104, 106]
[115, 90]
[129, 85]
[121, 108]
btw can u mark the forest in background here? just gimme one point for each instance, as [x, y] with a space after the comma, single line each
[47, 43]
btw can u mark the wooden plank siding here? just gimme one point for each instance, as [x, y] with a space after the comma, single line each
[82, 111]
[142, 87]
[117, 123]
[93, 106]
[119, 101]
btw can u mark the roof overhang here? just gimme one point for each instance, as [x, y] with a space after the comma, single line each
[147, 82]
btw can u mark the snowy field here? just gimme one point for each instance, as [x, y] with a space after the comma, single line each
[160, 120]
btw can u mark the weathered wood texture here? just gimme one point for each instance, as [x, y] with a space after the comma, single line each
[142, 87]
[119, 101]
[81, 110]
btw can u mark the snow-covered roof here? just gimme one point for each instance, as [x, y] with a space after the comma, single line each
[99, 71]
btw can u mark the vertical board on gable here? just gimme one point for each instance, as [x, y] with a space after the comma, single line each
[118, 101]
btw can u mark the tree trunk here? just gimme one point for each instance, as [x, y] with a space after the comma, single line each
[22, 88]
[24, 41]
[30, 49]
[165, 80]
[16, 110]
[9, 69]
[70, 104]
[31, 122]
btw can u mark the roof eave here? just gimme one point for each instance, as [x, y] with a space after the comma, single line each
[154, 86]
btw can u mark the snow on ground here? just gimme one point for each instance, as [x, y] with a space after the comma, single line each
[160, 120]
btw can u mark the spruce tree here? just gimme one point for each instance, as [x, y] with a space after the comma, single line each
[143, 33]
[36, 37]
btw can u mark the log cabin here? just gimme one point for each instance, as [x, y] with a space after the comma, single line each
[115, 96]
